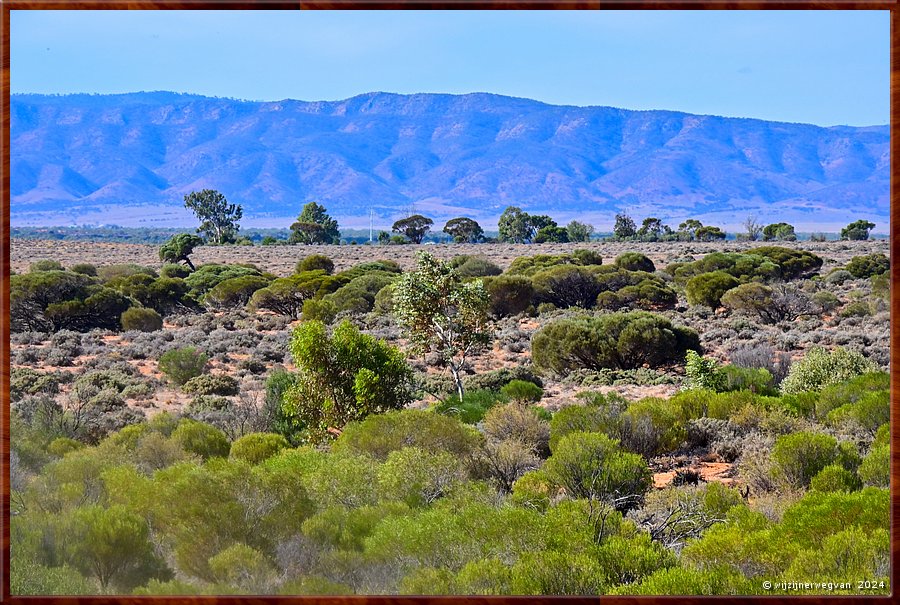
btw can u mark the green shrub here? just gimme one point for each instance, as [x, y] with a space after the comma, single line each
[826, 300]
[585, 257]
[635, 261]
[495, 380]
[418, 477]
[173, 270]
[31, 293]
[864, 267]
[755, 380]
[358, 295]
[688, 581]
[617, 340]
[848, 392]
[744, 267]
[591, 466]
[558, 573]
[531, 265]
[108, 273]
[384, 301]
[649, 294]
[708, 288]
[519, 422]
[201, 439]
[566, 286]
[235, 292]
[870, 412]
[102, 308]
[858, 308]
[208, 276]
[801, 456]
[61, 446]
[474, 266]
[208, 403]
[211, 384]
[819, 369]
[809, 521]
[381, 434]
[287, 295]
[167, 294]
[319, 310]
[474, 405]
[377, 266]
[599, 414]
[45, 265]
[522, 391]
[256, 447]
[835, 477]
[651, 427]
[315, 262]
[793, 264]
[533, 490]
[84, 269]
[343, 377]
[26, 381]
[510, 294]
[881, 286]
[703, 372]
[180, 365]
[141, 319]
[876, 466]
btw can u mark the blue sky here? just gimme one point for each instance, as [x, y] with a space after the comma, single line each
[820, 67]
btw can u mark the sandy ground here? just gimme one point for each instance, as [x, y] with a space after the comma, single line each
[281, 260]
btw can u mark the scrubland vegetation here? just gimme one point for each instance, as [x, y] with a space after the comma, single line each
[620, 418]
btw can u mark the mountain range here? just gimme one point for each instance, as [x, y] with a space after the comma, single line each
[129, 159]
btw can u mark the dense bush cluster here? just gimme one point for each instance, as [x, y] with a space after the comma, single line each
[364, 468]
[416, 502]
[616, 340]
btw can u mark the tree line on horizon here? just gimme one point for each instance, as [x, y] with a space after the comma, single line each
[219, 225]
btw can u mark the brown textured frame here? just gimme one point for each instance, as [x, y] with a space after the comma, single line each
[6, 5]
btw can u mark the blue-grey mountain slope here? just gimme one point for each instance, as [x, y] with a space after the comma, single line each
[129, 159]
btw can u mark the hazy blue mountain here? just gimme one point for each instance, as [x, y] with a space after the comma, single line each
[130, 159]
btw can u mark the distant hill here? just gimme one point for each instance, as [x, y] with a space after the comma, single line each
[129, 160]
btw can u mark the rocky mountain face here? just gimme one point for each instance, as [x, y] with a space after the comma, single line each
[129, 159]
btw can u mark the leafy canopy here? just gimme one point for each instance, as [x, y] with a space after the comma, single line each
[314, 226]
[342, 377]
[441, 312]
[218, 218]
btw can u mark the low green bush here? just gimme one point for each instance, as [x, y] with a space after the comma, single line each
[257, 447]
[474, 266]
[472, 408]
[799, 457]
[141, 319]
[211, 384]
[634, 261]
[617, 340]
[707, 288]
[201, 439]
[235, 292]
[180, 365]
[522, 391]
[875, 469]
[864, 267]
[381, 434]
[566, 286]
[819, 369]
[315, 262]
[835, 477]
